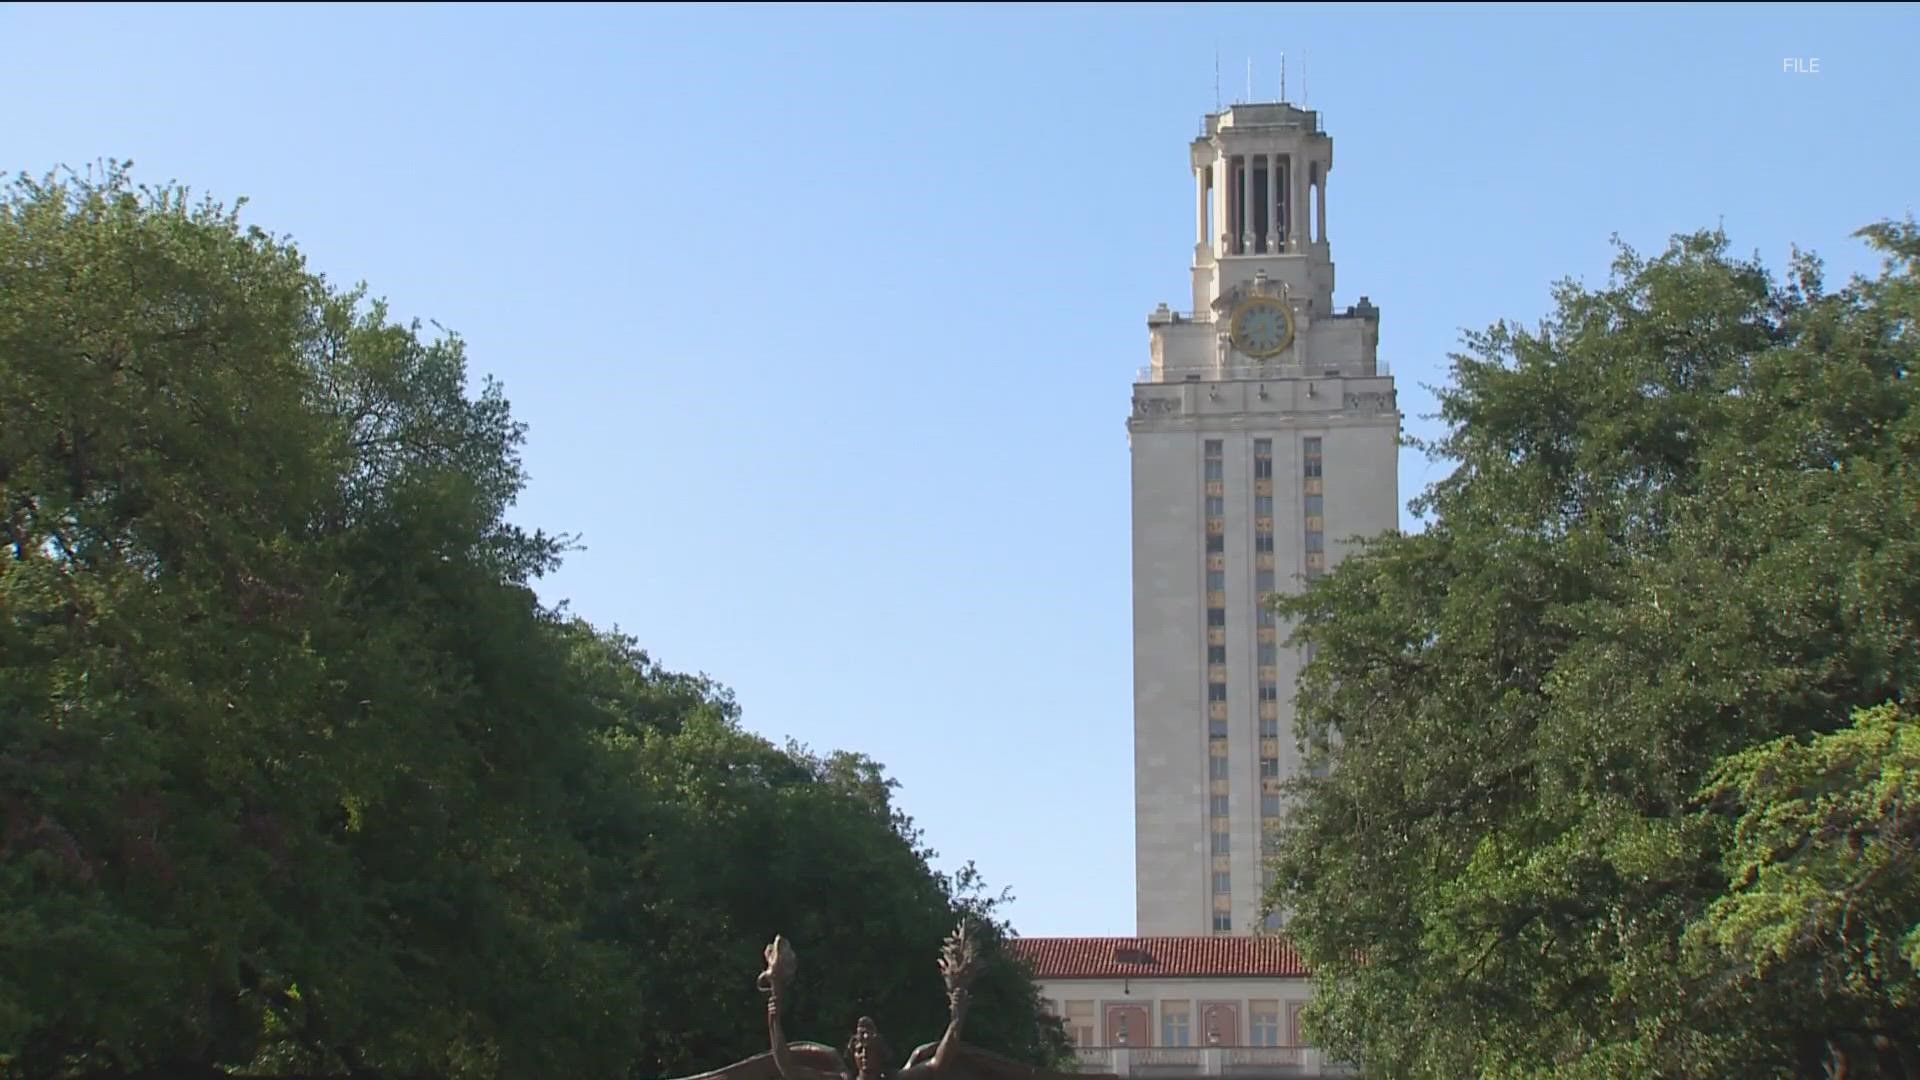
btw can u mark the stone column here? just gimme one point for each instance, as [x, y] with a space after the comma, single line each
[1222, 204]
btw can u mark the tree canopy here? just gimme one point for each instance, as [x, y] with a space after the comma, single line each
[297, 774]
[1620, 750]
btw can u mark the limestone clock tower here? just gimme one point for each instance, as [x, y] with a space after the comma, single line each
[1264, 437]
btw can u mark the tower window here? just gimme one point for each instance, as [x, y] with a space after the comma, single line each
[1260, 190]
[1316, 197]
[1285, 172]
[1209, 229]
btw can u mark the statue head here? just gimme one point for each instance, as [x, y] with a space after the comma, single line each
[867, 1052]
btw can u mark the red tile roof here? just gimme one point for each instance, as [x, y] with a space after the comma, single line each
[1161, 957]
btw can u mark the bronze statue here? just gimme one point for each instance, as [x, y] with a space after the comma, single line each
[867, 1056]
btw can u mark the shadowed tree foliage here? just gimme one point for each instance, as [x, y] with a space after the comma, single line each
[1601, 799]
[298, 776]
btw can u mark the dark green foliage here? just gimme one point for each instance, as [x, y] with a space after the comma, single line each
[297, 776]
[1557, 839]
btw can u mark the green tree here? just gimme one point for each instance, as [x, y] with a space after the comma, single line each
[1821, 916]
[1678, 528]
[298, 777]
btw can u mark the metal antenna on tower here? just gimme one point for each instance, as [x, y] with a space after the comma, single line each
[1304, 97]
[1216, 80]
[1249, 97]
[1283, 78]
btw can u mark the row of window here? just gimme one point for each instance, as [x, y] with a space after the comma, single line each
[1218, 773]
[1314, 507]
[1263, 544]
[1262, 505]
[1214, 468]
[1269, 807]
[1219, 1022]
[1269, 691]
[1219, 769]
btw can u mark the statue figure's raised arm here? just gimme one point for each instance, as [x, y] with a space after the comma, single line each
[782, 1060]
[959, 962]
[949, 1047]
[789, 1063]
[773, 981]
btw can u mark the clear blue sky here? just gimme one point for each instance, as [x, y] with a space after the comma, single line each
[824, 319]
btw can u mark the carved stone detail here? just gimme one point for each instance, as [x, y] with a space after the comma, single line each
[1376, 400]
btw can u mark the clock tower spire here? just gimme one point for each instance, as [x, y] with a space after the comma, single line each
[1264, 435]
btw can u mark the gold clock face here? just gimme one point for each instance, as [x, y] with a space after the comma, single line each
[1263, 327]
